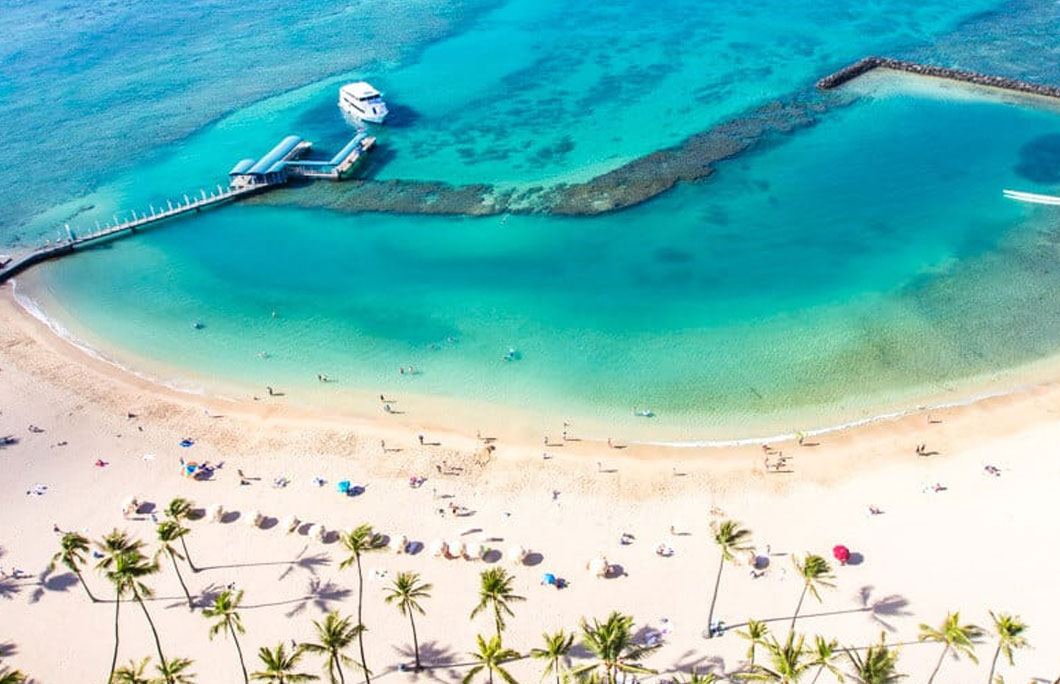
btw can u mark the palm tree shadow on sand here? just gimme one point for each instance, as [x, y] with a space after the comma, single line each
[691, 661]
[893, 605]
[439, 662]
[49, 582]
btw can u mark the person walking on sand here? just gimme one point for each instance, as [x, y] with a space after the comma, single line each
[610, 444]
[420, 437]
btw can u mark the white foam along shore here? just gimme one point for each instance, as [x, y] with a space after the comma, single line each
[1045, 369]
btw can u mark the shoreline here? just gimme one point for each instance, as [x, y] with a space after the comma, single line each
[456, 416]
[442, 417]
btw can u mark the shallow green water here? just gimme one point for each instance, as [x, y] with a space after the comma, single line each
[810, 282]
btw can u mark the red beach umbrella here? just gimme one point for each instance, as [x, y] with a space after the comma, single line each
[841, 553]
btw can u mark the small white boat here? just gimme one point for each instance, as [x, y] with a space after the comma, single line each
[363, 102]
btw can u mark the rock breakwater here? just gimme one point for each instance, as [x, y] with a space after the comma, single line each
[863, 66]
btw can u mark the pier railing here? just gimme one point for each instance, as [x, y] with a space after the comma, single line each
[74, 240]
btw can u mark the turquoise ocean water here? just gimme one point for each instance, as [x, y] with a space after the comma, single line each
[847, 268]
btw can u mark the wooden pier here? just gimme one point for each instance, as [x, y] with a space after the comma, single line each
[73, 242]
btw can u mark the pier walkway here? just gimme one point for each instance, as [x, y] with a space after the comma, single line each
[286, 160]
[62, 247]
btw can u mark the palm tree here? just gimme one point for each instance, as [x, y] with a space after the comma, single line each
[168, 532]
[133, 673]
[406, 591]
[174, 671]
[279, 667]
[360, 540]
[127, 572]
[9, 676]
[756, 634]
[179, 510]
[225, 608]
[111, 546]
[611, 641]
[956, 637]
[491, 657]
[877, 666]
[335, 635]
[824, 652]
[815, 572]
[1009, 630]
[786, 659]
[729, 537]
[556, 655]
[495, 591]
[72, 548]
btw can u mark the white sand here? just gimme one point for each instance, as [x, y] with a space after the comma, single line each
[984, 543]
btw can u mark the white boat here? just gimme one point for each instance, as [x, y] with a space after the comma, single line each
[361, 101]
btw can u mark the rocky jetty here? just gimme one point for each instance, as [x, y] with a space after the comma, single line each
[867, 64]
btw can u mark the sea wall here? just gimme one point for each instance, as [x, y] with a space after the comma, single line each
[867, 64]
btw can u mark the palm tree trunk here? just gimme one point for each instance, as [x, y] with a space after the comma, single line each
[415, 641]
[798, 607]
[338, 666]
[187, 556]
[239, 652]
[85, 586]
[360, 621]
[993, 664]
[938, 664]
[183, 586]
[497, 618]
[114, 658]
[154, 632]
[714, 599]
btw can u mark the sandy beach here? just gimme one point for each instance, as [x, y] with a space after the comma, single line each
[982, 542]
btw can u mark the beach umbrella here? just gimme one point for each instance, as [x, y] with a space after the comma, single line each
[548, 578]
[473, 551]
[317, 532]
[516, 554]
[290, 523]
[438, 548]
[215, 512]
[398, 543]
[841, 553]
[598, 566]
[343, 487]
[253, 518]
